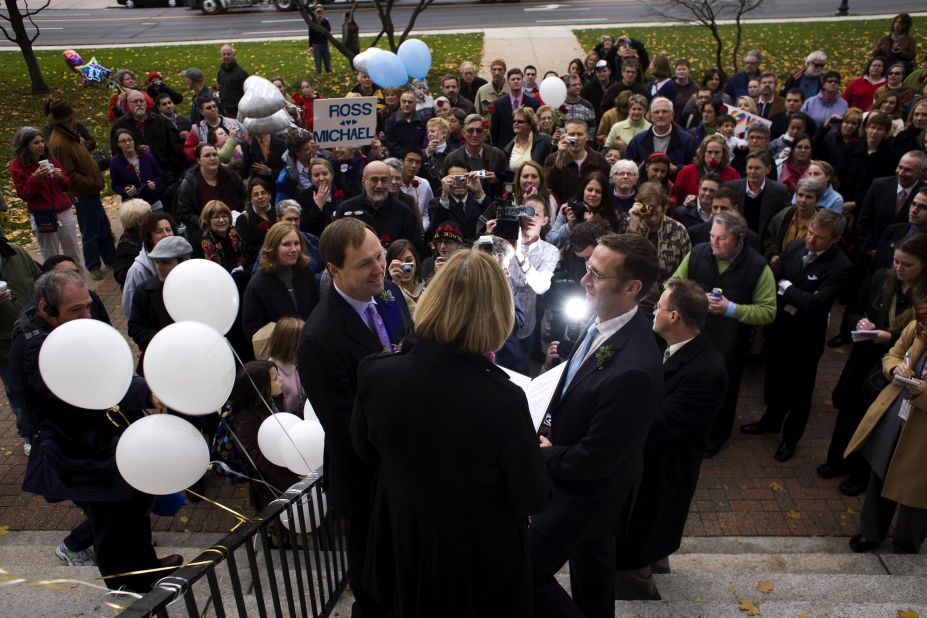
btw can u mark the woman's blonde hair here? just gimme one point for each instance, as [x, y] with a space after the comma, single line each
[468, 303]
[751, 104]
[440, 124]
[133, 212]
[210, 210]
[283, 345]
[272, 240]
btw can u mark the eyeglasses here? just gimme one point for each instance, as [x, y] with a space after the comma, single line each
[219, 216]
[517, 121]
[819, 65]
[475, 131]
[597, 276]
[831, 80]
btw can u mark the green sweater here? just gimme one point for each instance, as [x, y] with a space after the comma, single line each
[763, 308]
[20, 273]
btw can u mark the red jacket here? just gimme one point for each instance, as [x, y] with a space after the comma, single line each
[40, 193]
[687, 181]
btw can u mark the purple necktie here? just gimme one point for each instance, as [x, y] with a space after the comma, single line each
[378, 326]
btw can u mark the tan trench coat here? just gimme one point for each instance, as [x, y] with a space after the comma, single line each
[906, 479]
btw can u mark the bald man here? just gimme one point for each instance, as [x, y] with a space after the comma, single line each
[231, 79]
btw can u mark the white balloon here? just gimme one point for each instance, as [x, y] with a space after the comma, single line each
[319, 509]
[86, 363]
[270, 434]
[276, 122]
[361, 60]
[309, 413]
[261, 98]
[202, 291]
[161, 454]
[189, 366]
[553, 91]
[303, 452]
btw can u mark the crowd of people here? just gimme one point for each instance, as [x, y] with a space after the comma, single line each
[452, 245]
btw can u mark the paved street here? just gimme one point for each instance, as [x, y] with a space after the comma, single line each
[86, 26]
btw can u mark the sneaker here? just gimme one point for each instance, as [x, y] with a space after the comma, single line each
[27, 447]
[83, 557]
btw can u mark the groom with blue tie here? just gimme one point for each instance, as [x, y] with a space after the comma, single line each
[599, 417]
[361, 314]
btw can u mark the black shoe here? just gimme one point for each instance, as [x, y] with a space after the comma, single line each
[860, 544]
[827, 471]
[757, 428]
[785, 452]
[850, 487]
[839, 341]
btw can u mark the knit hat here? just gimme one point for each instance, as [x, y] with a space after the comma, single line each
[449, 230]
[153, 75]
[500, 62]
[171, 248]
[58, 111]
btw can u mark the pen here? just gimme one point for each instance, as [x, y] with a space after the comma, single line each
[907, 360]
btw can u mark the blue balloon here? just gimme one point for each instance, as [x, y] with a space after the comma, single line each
[416, 57]
[386, 69]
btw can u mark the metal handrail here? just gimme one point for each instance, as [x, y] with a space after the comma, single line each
[317, 553]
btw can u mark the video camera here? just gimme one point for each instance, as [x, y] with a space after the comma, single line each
[509, 218]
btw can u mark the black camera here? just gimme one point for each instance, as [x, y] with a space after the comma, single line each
[579, 209]
[509, 218]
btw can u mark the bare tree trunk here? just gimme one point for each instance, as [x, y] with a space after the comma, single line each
[16, 19]
[335, 42]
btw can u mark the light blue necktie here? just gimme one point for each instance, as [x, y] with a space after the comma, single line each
[580, 354]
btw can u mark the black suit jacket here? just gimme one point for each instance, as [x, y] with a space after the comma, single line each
[802, 310]
[598, 428]
[877, 211]
[500, 131]
[334, 341]
[694, 385]
[893, 236]
[775, 198]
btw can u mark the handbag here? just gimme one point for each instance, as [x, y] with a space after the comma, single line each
[46, 220]
[58, 474]
[99, 155]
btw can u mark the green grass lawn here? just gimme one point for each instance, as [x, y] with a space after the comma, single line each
[291, 60]
[784, 46]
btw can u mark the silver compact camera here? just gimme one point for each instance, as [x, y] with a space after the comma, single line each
[571, 140]
[407, 269]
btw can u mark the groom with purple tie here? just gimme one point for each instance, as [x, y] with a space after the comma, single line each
[361, 314]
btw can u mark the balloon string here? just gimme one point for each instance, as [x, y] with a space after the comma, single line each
[9, 579]
[271, 411]
[119, 412]
[241, 518]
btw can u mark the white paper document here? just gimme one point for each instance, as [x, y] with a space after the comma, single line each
[539, 391]
[863, 335]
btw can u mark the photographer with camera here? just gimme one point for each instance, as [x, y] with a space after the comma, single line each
[572, 162]
[596, 204]
[405, 270]
[532, 265]
[462, 197]
[477, 155]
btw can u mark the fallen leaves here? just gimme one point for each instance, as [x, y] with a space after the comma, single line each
[908, 613]
[749, 607]
[765, 587]
[793, 514]
[777, 486]
[4, 530]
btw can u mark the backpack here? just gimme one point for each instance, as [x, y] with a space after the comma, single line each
[225, 449]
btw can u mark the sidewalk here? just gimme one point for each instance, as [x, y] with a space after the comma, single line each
[546, 47]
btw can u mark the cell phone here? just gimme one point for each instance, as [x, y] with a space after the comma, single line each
[904, 380]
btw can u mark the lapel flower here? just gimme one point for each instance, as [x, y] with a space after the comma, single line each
[339, 194]
[415, 182]
[385, 240]
[490, 108]
[563, 109]
[602, 355]
[485, 124]
[387, 296]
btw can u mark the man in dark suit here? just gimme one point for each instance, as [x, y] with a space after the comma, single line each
[462, 199]
[697, 209]
[757, 197]
[598, 421]
[694, 383]
[361, 314]
[897, 232]
[477, 155]
[722, 201]
[501, 131]
[809, 273]
[888, 199]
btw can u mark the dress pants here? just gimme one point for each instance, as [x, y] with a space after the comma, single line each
[638, 584]
[877, 514]
[122, 540]
[96, 233]
[724, 421]
[791, 372]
